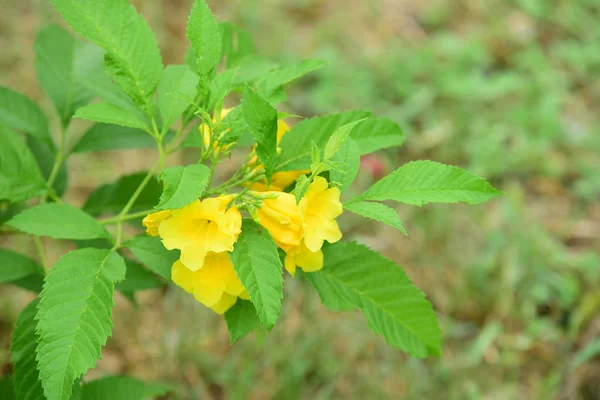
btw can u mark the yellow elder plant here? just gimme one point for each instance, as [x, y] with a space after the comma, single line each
[227, 243]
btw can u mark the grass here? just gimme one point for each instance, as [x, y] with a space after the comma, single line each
[507, 89]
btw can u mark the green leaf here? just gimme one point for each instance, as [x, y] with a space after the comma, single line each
[22, 354]
[103, 137]
[151, 252]
[33, 282]
[203, 32]
[177, 88]
[376, 134]
[370, 135]
[138, 278]
[348, 159]
[301, 187]
[14, 266]
[111, 114]
[74, 317]
[337, 139]
[354, 275]
[6, 388]
[20, 113]
[378, 212]
[112, 197]
[241, 320]
[122, 388]
[261, 117]
[132, 57]
[45, 156]
[237, 43]
[315, 153]
[58, 220]
[182, 185]
[273, 80]
[61, 66]
[20, 178]
[257, 263]
[220, 87]
[422, 182]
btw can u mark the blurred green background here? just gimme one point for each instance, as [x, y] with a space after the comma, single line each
[508, 89]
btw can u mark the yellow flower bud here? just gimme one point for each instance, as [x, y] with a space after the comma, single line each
[206, 133]
[152, 221]
[202, 227]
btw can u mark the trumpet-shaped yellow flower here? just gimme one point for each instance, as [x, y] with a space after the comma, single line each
[205, 129]
[320, 206]
[152, 221]
[302, 257]
[216, 285]
[282, 218]
[201, 227]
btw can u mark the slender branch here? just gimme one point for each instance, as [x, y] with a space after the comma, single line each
[42, 254]
[119, 218]
[132, 200]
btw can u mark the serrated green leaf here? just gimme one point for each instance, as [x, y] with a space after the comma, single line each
[74, 317]
[261, 118]
[60, 70]
[377, 134]
[177, 85]
[422, 182]
[45, 156]
[138, 278]
[378, 212]
[337, 139]
[370, 135]
[204, 34]
[22, 354]
[32, 282]
[355, 275]
[182, 185]
[14, 266]
[122, 388]
[132, 57]
[301, 187]
[241, 320]
[111, 114]
[20, 113]
[151, 252]
[103, 137]
[112, 197]
[58, 220]
[315, 153]
[20, 178]
[257, 263]
[347, 164]
[268, 85]
[220, 87]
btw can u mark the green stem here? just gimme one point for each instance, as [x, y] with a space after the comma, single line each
[42, 254]
[119, 218]
[132, 200]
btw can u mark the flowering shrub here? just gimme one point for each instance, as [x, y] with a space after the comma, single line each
[228, 243]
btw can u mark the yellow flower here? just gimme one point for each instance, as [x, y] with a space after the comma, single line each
[216, 285]
[152, 221]
[205, 129]
[320, 206]
[302, 257]
[202, 227]
[282, 218]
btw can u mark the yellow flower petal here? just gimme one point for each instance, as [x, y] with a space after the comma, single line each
[320, 206]
[304, 258]
[152, 221]
[282, 218]
[226, 302]
[202, 227]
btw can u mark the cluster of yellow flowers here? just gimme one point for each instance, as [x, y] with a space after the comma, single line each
[205, 231]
